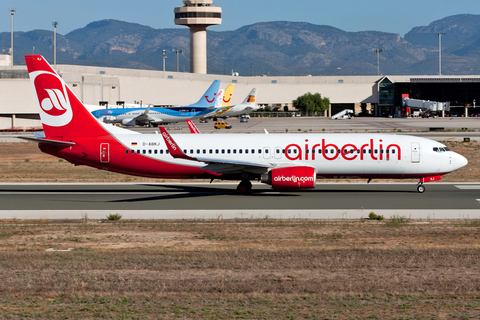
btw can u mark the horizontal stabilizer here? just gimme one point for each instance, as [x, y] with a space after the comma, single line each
[48, 141]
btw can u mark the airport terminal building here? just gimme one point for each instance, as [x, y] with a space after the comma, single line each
[367, 95]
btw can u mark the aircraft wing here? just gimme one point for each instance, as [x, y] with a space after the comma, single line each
[147, 118]
[222, 165]
[59, 143]
[234, 162]
[221, 110]
[176, 152]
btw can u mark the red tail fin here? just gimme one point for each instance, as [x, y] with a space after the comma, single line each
[193, 128]
[63, 115]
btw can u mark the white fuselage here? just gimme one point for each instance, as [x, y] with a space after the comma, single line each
[239, 109]
[332, 155]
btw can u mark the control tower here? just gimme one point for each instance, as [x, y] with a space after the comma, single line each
[198, 15]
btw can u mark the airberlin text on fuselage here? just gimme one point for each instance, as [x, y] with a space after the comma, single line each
[348, 151]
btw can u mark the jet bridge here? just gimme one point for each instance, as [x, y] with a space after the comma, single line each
[426, 107]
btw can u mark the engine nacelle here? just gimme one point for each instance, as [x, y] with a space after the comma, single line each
[108, 119]
[129, 122]
[301, 177]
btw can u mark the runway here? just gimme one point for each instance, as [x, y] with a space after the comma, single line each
[220, 201]
[193, 201]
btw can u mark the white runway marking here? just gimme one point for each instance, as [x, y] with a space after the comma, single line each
[468, 187]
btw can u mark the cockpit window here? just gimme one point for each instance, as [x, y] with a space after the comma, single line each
[441, 149]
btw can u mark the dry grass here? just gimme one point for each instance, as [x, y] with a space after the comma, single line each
[24, 162]
[244, 269]
[238, 269]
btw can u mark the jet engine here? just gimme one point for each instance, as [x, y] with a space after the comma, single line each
[301, 177]
[129, 122]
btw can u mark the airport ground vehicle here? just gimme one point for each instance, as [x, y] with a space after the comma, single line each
[222, 125]
[344, 114]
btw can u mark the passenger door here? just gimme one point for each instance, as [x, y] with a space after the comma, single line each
[415, 152]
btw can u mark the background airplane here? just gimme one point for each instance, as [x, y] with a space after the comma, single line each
[285, 161]
[248, 105]
[225, 101]
[155, 116]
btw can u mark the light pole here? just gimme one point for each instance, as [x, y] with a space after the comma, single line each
[439, 35]
[12, 12]
[55, 24]
[378, 59]
[177, 52]
[164, 57]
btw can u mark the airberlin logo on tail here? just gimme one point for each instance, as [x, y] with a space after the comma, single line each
[55, 109]
[55, 104]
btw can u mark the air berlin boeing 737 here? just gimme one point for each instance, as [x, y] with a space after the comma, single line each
[286, 161]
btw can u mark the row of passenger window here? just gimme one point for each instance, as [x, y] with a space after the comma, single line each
[252, 151]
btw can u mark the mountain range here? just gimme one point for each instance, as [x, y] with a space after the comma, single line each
[267, 48]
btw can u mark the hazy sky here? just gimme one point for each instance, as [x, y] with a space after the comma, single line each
[349, 15]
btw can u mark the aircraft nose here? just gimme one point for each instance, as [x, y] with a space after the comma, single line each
[460, 161]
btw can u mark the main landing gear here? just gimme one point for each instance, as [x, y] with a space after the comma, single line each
[244, 187]
[420, 187]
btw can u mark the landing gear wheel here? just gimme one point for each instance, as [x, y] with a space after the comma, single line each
[421, 188]
[244, 187]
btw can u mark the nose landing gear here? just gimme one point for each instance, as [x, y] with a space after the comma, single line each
[420, 187]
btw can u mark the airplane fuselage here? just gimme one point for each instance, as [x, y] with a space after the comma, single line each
[164, 115]
[332, 155]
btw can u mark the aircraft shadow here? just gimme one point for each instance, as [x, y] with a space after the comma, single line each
[189, 191]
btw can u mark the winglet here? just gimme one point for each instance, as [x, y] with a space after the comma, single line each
[193, 128]
[172, 146]
[147, 110]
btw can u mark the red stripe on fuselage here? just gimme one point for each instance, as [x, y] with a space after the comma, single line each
[87, 152]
